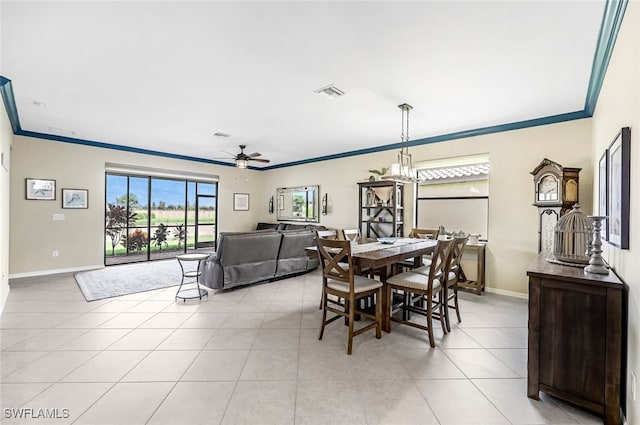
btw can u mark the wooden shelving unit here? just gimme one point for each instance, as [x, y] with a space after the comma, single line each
[381, 209]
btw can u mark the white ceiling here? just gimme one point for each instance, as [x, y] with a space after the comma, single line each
[167, 75]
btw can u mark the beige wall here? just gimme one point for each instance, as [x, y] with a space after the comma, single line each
[6, 139]
[512, 219]
[79, 238]
[619, 106]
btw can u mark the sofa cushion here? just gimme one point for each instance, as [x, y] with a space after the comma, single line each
[292, 257]
[265, 226]
[290, 226]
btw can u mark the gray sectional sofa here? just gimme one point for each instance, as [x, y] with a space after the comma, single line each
[261, 255]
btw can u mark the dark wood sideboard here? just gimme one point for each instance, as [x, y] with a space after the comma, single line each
[575, 337]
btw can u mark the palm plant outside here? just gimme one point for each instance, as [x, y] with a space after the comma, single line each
[117, 221]
[180, 234]
[159, 237]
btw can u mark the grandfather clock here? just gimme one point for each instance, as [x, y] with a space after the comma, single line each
[556, 190]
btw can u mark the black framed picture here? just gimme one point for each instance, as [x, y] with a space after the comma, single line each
[603, 190]
[619, 163]
[40, 189]
[75, 198]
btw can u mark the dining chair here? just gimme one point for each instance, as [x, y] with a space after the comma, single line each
[348, 288]
[423, 233]
[354, 236]
[327, 234]
[350, 234]
[426, 259]
[450, 292]
[423, 293]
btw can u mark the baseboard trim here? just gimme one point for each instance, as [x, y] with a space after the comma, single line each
[54, 271]
[508, 293]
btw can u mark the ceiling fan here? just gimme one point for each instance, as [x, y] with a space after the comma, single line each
[242, 159]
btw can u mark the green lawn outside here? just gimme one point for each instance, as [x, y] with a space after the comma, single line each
[172, 245]
[171, 221]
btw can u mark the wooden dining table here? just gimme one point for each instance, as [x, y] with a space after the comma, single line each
[382, 261]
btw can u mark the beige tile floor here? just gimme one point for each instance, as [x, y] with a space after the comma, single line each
[252, 356]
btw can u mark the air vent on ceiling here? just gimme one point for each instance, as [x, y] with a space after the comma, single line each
[218, 134]
[62, 131]
[331, 91]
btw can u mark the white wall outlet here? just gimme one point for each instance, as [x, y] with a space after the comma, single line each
[55, 253]
[58, 217]
[633, 385]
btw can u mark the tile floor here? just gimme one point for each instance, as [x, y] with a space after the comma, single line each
[252, 356]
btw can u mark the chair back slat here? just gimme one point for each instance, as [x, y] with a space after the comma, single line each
[423, 233]
[441, 260]
[351, 234]
[334, 256]
[458, 249]
[327, 234]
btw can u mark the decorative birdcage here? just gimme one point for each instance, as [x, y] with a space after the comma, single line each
[572, 237]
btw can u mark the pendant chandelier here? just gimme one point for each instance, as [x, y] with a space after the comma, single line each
[403, 170]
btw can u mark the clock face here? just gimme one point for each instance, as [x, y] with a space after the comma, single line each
[548, 188]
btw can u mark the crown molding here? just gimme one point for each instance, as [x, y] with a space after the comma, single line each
[611, 22]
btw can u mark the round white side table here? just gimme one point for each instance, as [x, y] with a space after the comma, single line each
[192, 293]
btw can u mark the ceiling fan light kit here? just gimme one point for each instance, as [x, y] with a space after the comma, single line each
[242, 159]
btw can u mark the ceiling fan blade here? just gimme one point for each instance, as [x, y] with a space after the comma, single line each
[259, 160]
[233, 155]
[255, 154]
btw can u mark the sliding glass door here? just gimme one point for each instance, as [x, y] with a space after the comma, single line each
[149, 218]
[168, 217]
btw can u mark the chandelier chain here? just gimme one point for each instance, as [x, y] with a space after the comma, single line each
[402, 132]
[407, 134]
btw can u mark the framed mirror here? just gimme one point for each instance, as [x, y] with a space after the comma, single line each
[297, 203]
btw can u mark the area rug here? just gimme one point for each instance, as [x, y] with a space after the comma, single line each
[114, 281]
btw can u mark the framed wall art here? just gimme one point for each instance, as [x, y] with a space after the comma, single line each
[75, 198]
[603, 190]
[40, 189]
[619, 163]
[241, 202]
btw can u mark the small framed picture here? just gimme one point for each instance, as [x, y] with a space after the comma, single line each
[241, 202]
[619, 189]
[41, 189]
[75, 198]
